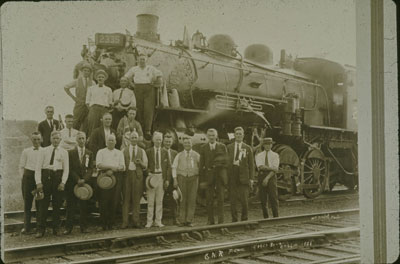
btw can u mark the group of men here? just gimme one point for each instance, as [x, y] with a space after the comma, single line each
[103, 138]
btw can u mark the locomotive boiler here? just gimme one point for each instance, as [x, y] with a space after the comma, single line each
[308, 105]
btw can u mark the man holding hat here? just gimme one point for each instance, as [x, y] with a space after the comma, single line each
[135, 162]
[81, 85]
[27, 165]
[123, 98]
[267, 163]
[51, 174]
[213, 174]
[144, 78]
[98, 99]
[111, 162]
[80, 173]
[156, 180]
[241, 174]
[185, 171]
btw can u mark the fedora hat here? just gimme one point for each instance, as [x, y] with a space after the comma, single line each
[101, 72]
[85, 65]
[177, 194]
[84, 192]
[106, 180]
[267, 140]
[151, 182]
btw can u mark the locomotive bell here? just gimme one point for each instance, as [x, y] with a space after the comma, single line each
[147, 27]
[259, 53]
[222, 43]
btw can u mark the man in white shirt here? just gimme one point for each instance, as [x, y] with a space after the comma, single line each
[123, 99]
[185, 171]
[68, 134]
[110, 158]
[145, 78]
[27, 166]
[51, 174]
[81, 85]
[98, 100]
[267, 163]
[135, 162]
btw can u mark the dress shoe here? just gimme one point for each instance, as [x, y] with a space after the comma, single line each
[67, 231]
[39, 234]
[148, 225]
[25, 231]
[189, 224]
[159, 225]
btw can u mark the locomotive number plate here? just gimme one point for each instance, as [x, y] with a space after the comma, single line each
[111, 40]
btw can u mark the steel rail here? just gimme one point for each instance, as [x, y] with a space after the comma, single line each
[117, 241]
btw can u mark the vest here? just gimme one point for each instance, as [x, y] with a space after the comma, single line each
[187, 166]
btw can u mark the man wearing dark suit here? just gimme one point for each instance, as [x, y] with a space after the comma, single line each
[241, 174]
[158, 167]
[47, 126]
[168, 198]
[80, 172]
[213, 163]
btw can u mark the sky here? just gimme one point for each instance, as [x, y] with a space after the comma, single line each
[41, 42]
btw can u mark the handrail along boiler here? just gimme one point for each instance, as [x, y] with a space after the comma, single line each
[308, 105]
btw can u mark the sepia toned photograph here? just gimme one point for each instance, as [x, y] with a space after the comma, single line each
[191, 132]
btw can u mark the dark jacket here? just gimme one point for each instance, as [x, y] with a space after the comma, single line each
[45, 130]
[165, 165]
[139, 169]
[78, 170]
[97, 140]
[173, 155]
[212, 160]
[246, 164]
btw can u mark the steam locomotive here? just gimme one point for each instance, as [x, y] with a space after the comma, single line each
[308, 105]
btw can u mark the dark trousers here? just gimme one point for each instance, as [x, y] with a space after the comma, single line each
[133, 191]
[215, 187]
[269, 194]
[145, 103]
[27, 186]
[116, 117]
[94, 117]
[80, 117]
[72, 203]
[109, 200]
[188, 186]
[239, 193]
[50, 180]
[92, 201]
[170, 203]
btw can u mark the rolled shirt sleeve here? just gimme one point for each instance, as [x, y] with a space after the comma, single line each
[22, 162]
[275, 161]
[65, 166]
[99, 158]
[39, 165]
[70, 85]
[121, 159]
[130, 73]
[260, 159]
[144, 157]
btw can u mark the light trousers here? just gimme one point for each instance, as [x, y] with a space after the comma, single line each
[155, 201]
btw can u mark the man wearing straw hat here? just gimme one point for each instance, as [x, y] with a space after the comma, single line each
[81, 85]
[111, 161]
[80, 173]
[185, 171]
[241, 174]
[27, 165]
[51, 174]
[156, 181]
[144, 78]
[135, 162]
[267, 163]
[99, 100]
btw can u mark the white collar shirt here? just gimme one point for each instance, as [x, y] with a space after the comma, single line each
[68, 138]
[61, 162]
[97, 95]
[81, 151]
[29, 159]
[110, 158]
[213, 145]
[273, 159]
[143, 75]
[238, 147]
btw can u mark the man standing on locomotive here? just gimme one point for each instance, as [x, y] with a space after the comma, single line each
[99, 100]
[123, 99]
[241, 174]
[267, 163]
[213, 175]
[144, 78]
[81, 85]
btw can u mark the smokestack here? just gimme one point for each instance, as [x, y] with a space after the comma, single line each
[147, 27]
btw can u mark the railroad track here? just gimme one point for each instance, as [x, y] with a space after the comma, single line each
[264, 229]
[13, 221]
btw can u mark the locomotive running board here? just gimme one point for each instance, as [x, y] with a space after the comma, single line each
[179, 109]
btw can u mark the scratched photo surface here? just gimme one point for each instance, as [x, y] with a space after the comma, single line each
[284, 71]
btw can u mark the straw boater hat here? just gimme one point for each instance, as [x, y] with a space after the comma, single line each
[101, 72]
[151, 182]
[177, 194]
[84, 192]
[267, 140]
[106, 180]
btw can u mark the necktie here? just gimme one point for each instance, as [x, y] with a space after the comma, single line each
[52, 156]
[133, 154]
[189, 165]
[169, 156]
[266, 159]
[157, 159]
[69, 132]
[81, 155]
[237, 152]
[51, 125]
